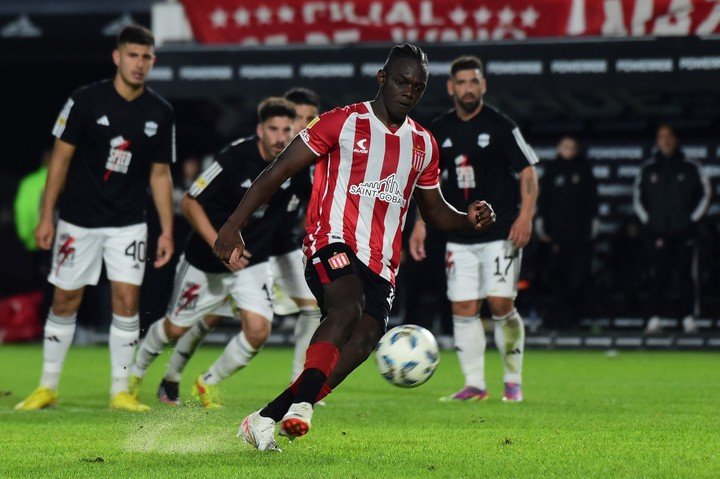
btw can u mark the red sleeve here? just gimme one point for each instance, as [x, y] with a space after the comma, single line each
[322, 134]
[430, 177]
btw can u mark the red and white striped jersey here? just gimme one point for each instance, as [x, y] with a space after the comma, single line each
[364, 178]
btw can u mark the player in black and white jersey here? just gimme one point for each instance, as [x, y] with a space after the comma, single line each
[286, 268]
[484, 155]
[113, 139]
[204, 284]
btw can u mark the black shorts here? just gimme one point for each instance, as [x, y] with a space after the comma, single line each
[337, 260]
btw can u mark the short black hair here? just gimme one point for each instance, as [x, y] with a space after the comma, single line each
[275, 106]
[406, 50]
[466, 62]
[135, 33]
[302, 96]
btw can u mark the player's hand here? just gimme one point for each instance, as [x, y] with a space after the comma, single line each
[229, 245]
[45, 234]
[520, 232]
[241, 263]
[417, 241]
[481, 215]
[165, 250]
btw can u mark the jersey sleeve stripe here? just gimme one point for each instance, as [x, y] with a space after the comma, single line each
[62, 119]
[704, 202]
[436, 185]
[524, 147]
[205, 179]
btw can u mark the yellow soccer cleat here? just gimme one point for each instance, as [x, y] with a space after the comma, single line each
[134, 385]
[40, 398]
[124, 401]
[208, 395]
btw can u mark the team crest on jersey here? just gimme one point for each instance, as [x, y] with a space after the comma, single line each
[483, 140]
[338, 260]
[387, 190]
[119, 157]
[418, 158]
[150, 128]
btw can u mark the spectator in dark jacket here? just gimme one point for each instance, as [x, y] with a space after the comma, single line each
[568, 206]
[671, 195]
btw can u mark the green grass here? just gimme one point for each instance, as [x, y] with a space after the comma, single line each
[640, 414]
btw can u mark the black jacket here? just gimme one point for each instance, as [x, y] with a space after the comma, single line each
[568, 200]
[670, 194]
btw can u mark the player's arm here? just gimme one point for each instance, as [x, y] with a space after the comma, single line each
[294, 158]
[57, 174]
[521, 229]
[441, 215]
[161, 188]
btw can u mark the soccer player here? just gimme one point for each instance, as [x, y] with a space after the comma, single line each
[202, 282]
[286, 269]
[112, 139]
[369, 159]
[483, 153]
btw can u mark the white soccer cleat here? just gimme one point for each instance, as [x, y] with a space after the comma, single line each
[296, 422]
[259, 432]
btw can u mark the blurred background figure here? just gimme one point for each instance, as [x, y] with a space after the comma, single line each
[671, 195]
[567, 213]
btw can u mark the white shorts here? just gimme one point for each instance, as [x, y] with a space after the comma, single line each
[476, 271]
[197, 294]
[79, 252]
[288, 273]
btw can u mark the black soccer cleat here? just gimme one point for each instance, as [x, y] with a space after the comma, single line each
[169, 392]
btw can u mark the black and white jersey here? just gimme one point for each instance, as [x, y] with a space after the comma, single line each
[220, 188]
[480, 160]
[116, 142]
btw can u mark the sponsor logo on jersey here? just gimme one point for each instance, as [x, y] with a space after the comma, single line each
[150, 128]
[103, 120]
[66, 252]
[338, 260]
[483, 140]
[188, 297]
[418, 158]
[361, 147]
[119, 157]
[447, 143]
[465, 174]
[387, 190]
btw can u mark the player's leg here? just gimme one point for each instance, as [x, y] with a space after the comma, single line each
[504, 262]
[464, 289]
[250, 291]
[188, 343]
[77, 254]
[288, 273]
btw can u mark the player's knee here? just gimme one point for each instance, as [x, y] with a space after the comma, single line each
[501, 306]
[465, 308]
[66, 303]
[257, 332]
[173, 331]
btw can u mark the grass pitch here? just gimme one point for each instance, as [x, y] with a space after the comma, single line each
[639, 414]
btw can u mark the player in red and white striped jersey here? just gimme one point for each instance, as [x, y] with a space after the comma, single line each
[369, 159]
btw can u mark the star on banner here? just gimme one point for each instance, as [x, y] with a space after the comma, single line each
[286, 14]
[506, 16]
[458, 15]
[482, 15]
[219, 18]
[241, 17]
[263, 14]
[529, 17]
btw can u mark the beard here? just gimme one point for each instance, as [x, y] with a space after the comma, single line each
[468, 106]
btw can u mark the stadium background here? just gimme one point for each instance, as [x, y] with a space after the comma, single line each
[609, 87]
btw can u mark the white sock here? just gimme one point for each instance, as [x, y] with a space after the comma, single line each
[237, 355]
[150, 348]
[124, 334]
[470, 344]
[184, 349]
[308, 321]
[59, 332]
[510, 341]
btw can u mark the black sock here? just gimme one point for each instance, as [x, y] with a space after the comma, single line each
[312, 382]
[277, 408]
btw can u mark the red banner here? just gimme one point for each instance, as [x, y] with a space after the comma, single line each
[280, 22]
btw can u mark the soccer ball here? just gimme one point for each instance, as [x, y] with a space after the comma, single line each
[407, 355]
